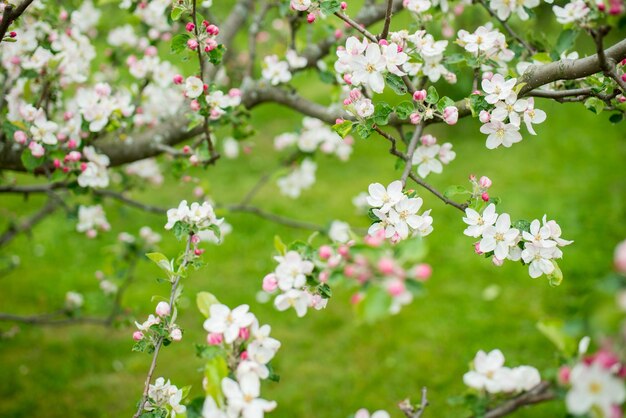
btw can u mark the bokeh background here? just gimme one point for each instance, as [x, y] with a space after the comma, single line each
[330, 363]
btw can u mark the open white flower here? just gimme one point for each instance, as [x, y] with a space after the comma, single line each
[298, 299]
[499, 238]
[383, 198]
[292, 270]
[500, 133]
[593, 386]
[538, 259]
[194, 87]
[243, 397]
[364, 413]
[425, 158]
[224, 321]
[368, 68]
[497, 88]
[477, 222]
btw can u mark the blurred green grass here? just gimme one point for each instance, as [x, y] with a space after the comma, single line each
[329, 364]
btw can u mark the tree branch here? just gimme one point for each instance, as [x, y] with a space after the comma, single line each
[606, 64]
[540, 393]
[10, 14]
[411, 411]
[388, 12]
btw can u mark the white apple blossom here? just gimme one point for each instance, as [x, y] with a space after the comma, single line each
[301, 178]
[533, 116]
[573, 11]
[198, 216]
[499, 133]
[243, 398]
[276, 71]
[298, 299]
[504, 8]
[490, 374]
[364, 413]
[425, 158]
[538, 259]
[403, 217]
[368, 69]
[292, 270]
[499, 238]
[224, 321]
[339, 231]
[477, 222]
[594, 387]
[90, 219]
[194, 87]
[385, 198]
[497, 88]
[147, 169]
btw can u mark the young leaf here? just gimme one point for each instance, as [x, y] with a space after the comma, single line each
[179, 43]
[204, 300]
[344, 128]
[432, 97]
[396, 84]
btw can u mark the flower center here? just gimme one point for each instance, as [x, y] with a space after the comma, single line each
[595, 387]
[499, 236]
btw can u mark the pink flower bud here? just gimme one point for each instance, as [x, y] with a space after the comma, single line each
[214, 338]
[344, 251]
[137, 335]
[484, 182]
[198, 251]
[56, 163]
[323, 277]
[151, 51]
[451, 115]
[36, 149]
[338, 34]
[244, 355]
[270, 283]
[178, 79]
[163, 309]
[485, 197]
[496, 261]
[347, 102]
[487, 75]
[396, 287]
[72, 144]
[601, 7]
[190, 27]
[192, 44]
[310, 18]
[472, 177]
[234, 93]
[477, 248]
[12, 34]
[563, 375]
[484, 116]
[339, 121]
[419, 95]
[92, 233]
[415, 118]
[83, 166]
[194, 105]
[63, 15]
[624, 77]
[343, 5]
[348, 79]
[198, 191]
[386, 266]
[325, 252]
[244, 333]
[375, 240]
[212, 30]
[458, 9]
[423, 272]
[20, 137]
[428, 140]
[355, 95]
[205, 23]
[194, 160]
[619, 258]
[210, 45]
[348, 270]
[383, 42]
[186, 149]
[621, 98]
[356, 298]
[614, 10]
[176, 334]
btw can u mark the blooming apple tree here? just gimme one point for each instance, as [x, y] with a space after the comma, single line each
[87, 107]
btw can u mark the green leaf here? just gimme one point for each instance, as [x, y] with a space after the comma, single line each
[404, 109]
[444, 102]
[279, 245]
[554, 331]
[381, 113]
[208, 352]
[556, 277]
[616, 117]
[216, 55]
[344, 128]
[327, 77]
[176, 13]
[594, 104]
[543, 57]
[204, 300]
[455, 59]
[565, 42]
[396, 84]
[411, 251]
[522, 225]
[215, 370]
[364, 130]
[455, 191]
[325, 291]
[478, 104]
[328, 7]
[375, 304]
[179, 43]
[432, 97]
[31, 163]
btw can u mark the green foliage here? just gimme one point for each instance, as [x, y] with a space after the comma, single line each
[31, 163]
[381, 113]
[344, 128]
[396, 84]
[204, 300]
[375, 305]
[432, 97]
[328, 7]
[179, 43]
[404, 109]
[594, 104]
[554, 331]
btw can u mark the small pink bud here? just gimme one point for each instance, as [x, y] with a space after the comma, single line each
[356, 298]
[485, 197]
[63, 15]
[190, 27]
[355, 95]
[624, 77]
[428, 140]
[348, 270]
[451, 115]
[194, 160]
[270, 283]
[83, 166]
[621, 98]
[176, 334]
[163, 309]
[12, 34]
[343, 5]
[194, 105]
[484, 182]
[348, 79]
[487, 75]
[66, 169]
[344, 251]
[396, 288]
[15, 60]
[198, 251]
[192, 44]
[324, 276]
[386, 266]
[244, 355]
[383, 42]
[601, 7]
[484, 116]
[137, 335]
[496, 261]
[614, 10]
[72, 144]
[205, 23]
[419, 95]
[375, 240]
[423, 272]
[623, 62]
[57, 163]
[347, 102]
[310, 18]
[178, 79]
[563, 375]
[619, 258]
[20, 137]
[325, 252]
[151, 51]
[477, 248]
[415, 118]
[195, 239]
[186, 149]
[212, 30]
[472, 177]
[338, 34]
[214, 338]
[210, 45]
[234, 93]
[198, 192]
[244, 333]
[338, 121]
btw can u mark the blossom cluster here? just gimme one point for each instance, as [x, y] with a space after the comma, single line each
[316, 135]
[429, 157]
[303, 274]
[163, 395]
[396, 213]
[502, 123]
[196, 217]
[91, 219]
[595, 383]
[249, 346]
[277, 71]
[425, 55]
[217, 101]
[300, 178]
[489, 374]
[487, 44]
[537, 244]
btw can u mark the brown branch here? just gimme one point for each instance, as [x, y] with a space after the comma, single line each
[10, 15]
[606, 64]
[410, 411]
[459, 206]
[540, 393]
[360, 28]
[273, 217]
[388, 13]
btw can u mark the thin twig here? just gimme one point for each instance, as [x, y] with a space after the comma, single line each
[540, 393]
[607, 65]
[459, 206]
[356, 26]
[410, 411]
[410, 152]
[385, 32]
